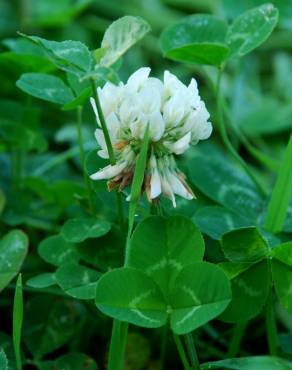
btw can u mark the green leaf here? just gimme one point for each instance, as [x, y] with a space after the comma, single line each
[76, 230]
[79, 100]
[77, 281]
[200, 292]
[45, 87]
[128, 294]
[3, 360]
[55, 250]
[199, 38]
[75, 361]
[244, 245]
[17, 321]
[282, 273]
[281, 195]
[251, 29]
[7, 347]
[250, 363]
[13, 250]
[283, 253]
[49, 323]
[218, 177]
[52, 13]
[41, 281]
[163, 246]
[285, 342]
[71, 56]
[120, 36]
[274, 113]
[216, 221]
[250, 287]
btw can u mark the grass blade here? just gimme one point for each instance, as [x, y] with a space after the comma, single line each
[17, 321]
[138, 180]
[281, 194]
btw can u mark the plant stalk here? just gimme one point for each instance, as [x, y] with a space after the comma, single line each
[118, 345]
[103, 123]
[181, 352]
[237, 335]
[189, 340]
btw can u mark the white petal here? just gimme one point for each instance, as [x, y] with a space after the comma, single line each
[172, 85]
[155, 185]
[100, 138]
[155, 83]
[206, 131]
[201, 128]
[103, 153]
[138, 127]
[181, 145]
[109, 171]
[173, 111]
[149, 99]
[110, 96]
[156, 126]
[137, 79]
[167, 191]
[92, 101]
[113, 125]
[129, 109]
[194, 93]
[155, 182]
[178, 187]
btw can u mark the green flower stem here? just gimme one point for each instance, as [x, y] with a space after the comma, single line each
[281, 194]
[103, 123]
[181, 352]
[189, 340]
[237, 335]
[82, 159]
[118, 345]
[271, 326]
[225, 138]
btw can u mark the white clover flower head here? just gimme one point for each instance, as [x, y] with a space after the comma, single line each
[177, 118]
